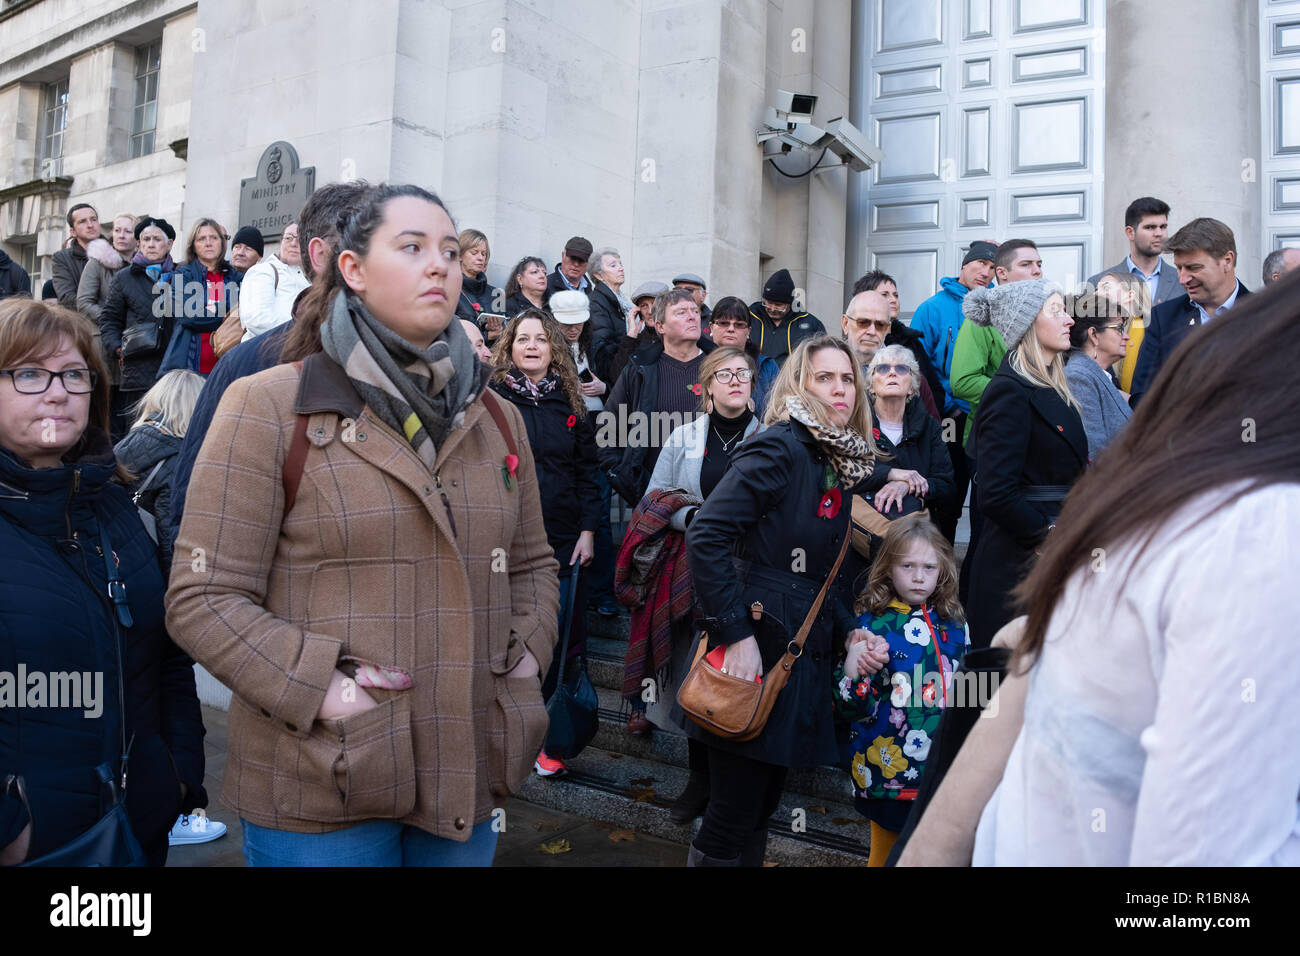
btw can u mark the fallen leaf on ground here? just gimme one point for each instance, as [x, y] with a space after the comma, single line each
[611, 754]
[623, 836]
[642, 794]
[602, 825]
[643, 782]
[845, 821]
[546, 826]
[819, 810]
[766, 863]
[555, 846]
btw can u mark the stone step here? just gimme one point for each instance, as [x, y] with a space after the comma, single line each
[632, 793]
[661, 746]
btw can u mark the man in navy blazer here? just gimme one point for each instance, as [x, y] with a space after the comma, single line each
[1145, 223]
[1205, 254]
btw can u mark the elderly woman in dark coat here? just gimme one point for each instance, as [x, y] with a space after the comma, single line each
[782, 509]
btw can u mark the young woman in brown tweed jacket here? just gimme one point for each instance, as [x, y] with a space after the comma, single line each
[384, 633]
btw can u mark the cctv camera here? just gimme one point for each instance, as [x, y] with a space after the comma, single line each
[795, 107]
[847, 142]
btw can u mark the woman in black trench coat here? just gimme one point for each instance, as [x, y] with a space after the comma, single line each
[766, 534]
[1029, 443]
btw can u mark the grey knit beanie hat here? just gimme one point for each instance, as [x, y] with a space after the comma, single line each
[1010, 308]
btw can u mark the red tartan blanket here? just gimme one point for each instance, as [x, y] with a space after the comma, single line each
[659, 592]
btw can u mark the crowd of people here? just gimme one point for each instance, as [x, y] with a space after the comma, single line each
[360, 485]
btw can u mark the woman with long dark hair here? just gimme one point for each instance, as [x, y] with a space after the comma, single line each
[534, 371]
[782, 509]
[1164, 695]
[376, 586]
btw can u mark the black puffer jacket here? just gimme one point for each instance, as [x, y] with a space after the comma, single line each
[142, 449]
[130, 305]
[764, 511]
[564, 449]
[55, 617]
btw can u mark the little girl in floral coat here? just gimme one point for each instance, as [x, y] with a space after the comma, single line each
[894, 683]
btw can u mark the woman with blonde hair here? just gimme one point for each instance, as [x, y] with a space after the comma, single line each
[694, 460]
[1029, 442]
[204, 291]
[761, 547]
[1134, 296]
[478, 297]
[149, 449]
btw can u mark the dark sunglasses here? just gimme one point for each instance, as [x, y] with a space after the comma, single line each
[886, 369]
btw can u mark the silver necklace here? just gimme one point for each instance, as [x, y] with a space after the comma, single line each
[726, 445]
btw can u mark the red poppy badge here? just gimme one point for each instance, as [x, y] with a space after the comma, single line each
[829, 505]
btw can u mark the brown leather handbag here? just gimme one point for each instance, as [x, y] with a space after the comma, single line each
[738, 709]
[229, 334]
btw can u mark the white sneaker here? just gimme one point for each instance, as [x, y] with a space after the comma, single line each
[195, 828]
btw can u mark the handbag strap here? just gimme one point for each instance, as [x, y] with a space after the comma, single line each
[570, 610]
[821, 596]
[121, 617]
[148, 479]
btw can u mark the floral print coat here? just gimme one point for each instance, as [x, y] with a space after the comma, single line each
[895, 712]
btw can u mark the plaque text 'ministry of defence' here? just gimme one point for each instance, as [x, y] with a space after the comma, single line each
[273, 198]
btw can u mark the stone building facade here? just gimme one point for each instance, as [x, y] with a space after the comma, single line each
[632, 122]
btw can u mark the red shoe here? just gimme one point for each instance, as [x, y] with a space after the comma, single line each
[546, 767]
[638, 724]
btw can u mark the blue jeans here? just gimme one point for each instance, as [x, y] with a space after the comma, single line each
[378, 843]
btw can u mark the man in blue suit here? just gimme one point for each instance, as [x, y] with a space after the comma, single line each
[1205, 254]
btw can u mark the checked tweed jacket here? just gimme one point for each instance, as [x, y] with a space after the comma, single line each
[369, 564]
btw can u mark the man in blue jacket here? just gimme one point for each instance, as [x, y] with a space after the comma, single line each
[939, 319]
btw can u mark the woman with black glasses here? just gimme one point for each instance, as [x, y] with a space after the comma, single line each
[1098, 339]
[81, 616]
[694, 459]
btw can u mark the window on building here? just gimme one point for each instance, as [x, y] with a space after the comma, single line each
[54, 120]
[144, 118]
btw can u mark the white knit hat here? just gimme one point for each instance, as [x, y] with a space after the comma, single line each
[1010, 308]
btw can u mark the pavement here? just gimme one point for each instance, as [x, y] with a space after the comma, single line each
[531, 836]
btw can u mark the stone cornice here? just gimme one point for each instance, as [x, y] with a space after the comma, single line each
[59, 186]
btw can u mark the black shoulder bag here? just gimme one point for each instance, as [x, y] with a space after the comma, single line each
[573, 707]
[110, 842]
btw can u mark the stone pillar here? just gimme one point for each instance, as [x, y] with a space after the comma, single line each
[808, 46]
[697, 188]
[20, 126]
[1183, 116]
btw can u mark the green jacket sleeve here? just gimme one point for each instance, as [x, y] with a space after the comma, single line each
[972, 368]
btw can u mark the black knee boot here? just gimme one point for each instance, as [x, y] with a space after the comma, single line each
[695, 798]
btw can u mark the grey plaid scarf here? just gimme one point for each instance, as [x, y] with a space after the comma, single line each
[421, 393]
[849, 452]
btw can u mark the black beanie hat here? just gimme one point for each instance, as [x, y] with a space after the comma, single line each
[780, 287]
[162, 224]
[249, 237]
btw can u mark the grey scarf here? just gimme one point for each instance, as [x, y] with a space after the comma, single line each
[421, 393]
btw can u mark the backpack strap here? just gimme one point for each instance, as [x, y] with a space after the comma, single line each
[498, 416]
[294, 461]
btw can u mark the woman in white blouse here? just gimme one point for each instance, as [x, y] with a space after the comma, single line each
[269, 289]
[1157, 669]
